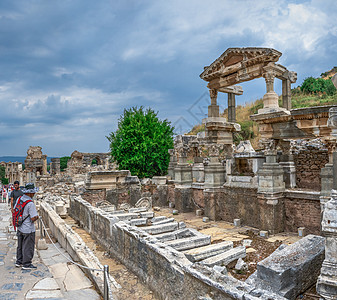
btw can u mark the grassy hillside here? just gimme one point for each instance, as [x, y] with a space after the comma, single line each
[312, 92]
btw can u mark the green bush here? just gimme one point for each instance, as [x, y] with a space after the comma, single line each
[3, 179]
[63, 162]
[246, 132]
[313, 85]
[141, 142]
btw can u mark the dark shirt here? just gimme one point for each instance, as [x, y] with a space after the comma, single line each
[15, 194]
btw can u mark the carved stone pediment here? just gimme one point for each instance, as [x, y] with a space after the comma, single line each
[235, 59]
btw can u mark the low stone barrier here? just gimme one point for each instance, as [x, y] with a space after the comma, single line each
[168, 273]
[76, 248]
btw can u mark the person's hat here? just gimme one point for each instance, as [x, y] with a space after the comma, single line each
[29, 189]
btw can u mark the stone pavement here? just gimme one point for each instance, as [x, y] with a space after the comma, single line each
[54, 278]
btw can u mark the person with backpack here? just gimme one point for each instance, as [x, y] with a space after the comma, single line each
[24, 216]
[15, 194]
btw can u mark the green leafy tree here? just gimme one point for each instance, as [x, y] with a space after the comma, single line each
[63, 162]
[3, 178]
[313, 85]
[141, 143]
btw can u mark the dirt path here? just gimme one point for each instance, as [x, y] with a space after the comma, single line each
[132, 286]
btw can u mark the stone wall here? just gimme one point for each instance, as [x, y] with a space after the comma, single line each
[302, 209]
[231, 203]
[165, 270]
[308, 168]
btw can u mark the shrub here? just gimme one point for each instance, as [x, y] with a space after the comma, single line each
[141, 142]
[313, 85]
[63, 162]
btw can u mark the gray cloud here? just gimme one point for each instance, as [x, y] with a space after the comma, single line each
[69, 68]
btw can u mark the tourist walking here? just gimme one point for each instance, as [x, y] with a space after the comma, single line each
[15, 194]
[26, 228]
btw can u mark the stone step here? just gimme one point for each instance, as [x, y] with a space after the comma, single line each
[138, 222]
[156, 229]
[201, 253]
[170, 236]
[126, 216]
[167, 220]
[137, 209]
[190, 242]
[158, 219]
[226, 257]
[147, 214]
[167, 236]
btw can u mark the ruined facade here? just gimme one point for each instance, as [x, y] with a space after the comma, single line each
[13, 171]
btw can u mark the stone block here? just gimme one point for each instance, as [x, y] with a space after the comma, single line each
[201, 253]
[158, 219]
[148, 214]
[199, 212]
[237, 222]
[166, 220]
[137, 209]
[301, 231]
[42, 245]
[167, 236]
[286, 271]
[126, 216]
[156, 229]
[226, 257]
[190, 242]
[183, 233]
[264, 234]
[175, 212]
[138, 222]
[182, 225]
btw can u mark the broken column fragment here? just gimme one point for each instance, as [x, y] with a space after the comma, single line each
[290, 270]
[201, 253]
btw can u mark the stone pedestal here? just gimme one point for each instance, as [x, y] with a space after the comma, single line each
[271, 177]
[183, 173]
[172, 163]
[327, 281]
[270, 195]
[289, 174]
[326, 184]
[219, 131]
[198, 172]
[214, 174]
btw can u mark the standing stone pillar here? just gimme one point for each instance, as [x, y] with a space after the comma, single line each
[55, 166]
[271, 189]
[213, 109]
[286, 94]
[172, 163]
[287, 163]
[44, 165]
[214, 171]
[327, 281]
[231, 108]
[183, 182]
[183, 171]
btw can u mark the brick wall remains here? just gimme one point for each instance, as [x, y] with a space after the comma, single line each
[308, 167]
[302, 211]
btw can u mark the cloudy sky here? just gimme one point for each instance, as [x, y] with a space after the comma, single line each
[68, 68]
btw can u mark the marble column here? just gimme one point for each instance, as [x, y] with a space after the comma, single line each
[231, 108]
[213, 109]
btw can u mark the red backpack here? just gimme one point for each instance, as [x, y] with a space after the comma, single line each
[18, 211]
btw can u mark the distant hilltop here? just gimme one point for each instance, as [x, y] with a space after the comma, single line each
[20, 159]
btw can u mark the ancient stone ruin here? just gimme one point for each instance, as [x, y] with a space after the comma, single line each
[285, 186]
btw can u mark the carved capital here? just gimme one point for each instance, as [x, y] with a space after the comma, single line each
[182, 151]
[213, 93]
